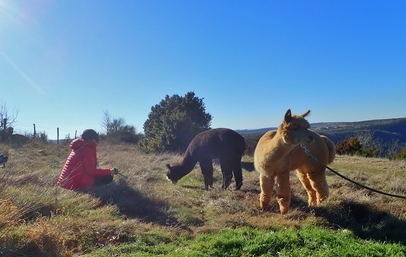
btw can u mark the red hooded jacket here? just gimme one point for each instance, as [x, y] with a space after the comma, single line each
[80, 168]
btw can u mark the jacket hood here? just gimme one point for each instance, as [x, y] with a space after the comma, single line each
[79, 143]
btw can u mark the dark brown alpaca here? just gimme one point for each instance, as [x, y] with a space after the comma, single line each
[222, 143]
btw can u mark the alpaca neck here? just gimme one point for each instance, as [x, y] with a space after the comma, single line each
[279, 148]
[188, 163]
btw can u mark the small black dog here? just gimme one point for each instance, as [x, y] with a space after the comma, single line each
[3, 160]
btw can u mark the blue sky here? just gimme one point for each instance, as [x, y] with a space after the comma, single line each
[63, 63]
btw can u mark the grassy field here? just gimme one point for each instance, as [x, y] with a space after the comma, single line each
[145, 215]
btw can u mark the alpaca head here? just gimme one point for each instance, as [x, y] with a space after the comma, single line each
[173, 173]
[295, 129]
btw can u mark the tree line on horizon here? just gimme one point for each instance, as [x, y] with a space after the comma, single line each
[171, 125]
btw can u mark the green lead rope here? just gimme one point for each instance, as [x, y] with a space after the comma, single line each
[348, 179]
[116, 172]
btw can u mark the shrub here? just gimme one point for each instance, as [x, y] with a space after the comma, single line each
[367, 152]
[353, 146]
[401, 155]
[349, 146]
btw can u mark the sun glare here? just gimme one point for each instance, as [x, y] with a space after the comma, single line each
[8, 13]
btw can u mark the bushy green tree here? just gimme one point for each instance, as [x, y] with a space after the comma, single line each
[173, 123]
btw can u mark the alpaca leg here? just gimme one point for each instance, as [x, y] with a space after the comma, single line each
[319, 184]
[283, 191]
[207, 170]
[267, 184]
[311, 193]
[227, 173]
[237, 170]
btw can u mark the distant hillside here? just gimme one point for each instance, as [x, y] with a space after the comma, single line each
[388, 136]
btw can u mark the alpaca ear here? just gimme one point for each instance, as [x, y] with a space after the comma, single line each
[169, 166]
[305, 114]
[288, 116]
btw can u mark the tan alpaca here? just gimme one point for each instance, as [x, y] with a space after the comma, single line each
[278, 153]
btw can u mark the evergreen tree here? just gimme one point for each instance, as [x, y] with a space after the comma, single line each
[173, 123]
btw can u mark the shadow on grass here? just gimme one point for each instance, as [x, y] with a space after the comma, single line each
[195, 187]
[134, 204]
[248, 166]
[365, 221]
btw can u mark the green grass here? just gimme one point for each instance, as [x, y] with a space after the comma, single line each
[146, 215]
[309, 241]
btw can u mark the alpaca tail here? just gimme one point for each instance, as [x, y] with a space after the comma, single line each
[331, 149]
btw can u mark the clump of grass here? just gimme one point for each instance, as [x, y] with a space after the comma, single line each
[40, 237]
[307, 241]
[9, 218]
